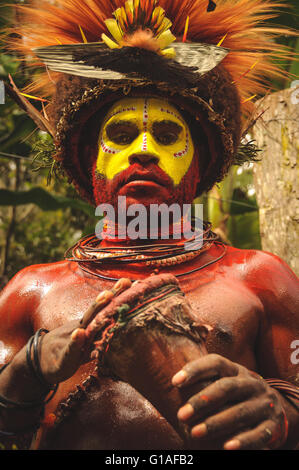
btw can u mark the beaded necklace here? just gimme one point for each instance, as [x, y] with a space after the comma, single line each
[90, 254]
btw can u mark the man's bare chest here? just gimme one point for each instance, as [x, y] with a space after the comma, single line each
[225, 304]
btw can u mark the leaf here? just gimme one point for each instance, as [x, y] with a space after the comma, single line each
[44, 200]
[242, 204]
[9, 64]
[22, 128]
[243, 231]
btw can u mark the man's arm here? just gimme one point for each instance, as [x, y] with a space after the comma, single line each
[17, 303]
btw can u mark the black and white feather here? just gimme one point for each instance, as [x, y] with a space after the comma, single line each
[96, 60]
[60, 58]
[202, 56]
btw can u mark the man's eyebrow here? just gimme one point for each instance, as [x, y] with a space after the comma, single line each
[121, 122]
[167, 122]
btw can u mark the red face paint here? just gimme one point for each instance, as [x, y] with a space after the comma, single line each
[145, 183]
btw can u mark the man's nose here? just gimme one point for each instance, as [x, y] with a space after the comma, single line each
[144, 158]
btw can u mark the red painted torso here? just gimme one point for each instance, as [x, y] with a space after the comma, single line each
[234, 295]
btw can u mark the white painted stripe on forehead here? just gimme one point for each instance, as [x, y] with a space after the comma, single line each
[144, 146]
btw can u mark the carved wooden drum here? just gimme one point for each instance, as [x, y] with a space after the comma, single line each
[146, 335]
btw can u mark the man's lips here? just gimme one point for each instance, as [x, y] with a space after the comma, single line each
[143, 179]
[143, 183]
[148, 176]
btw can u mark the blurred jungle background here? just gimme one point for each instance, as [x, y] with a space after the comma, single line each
[40, 218]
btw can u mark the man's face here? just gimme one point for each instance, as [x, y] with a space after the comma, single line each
[145, 153]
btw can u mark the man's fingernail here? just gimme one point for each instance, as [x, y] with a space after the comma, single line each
[185, 412]
[179, 378]
[101, 295]
[74, 335]
[199, 430]
[234, 444]
[103, 300]
[77, 334]
[121, 285]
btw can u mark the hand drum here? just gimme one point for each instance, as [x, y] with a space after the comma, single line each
[146, 335]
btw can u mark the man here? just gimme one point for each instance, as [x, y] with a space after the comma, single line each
[151, 141]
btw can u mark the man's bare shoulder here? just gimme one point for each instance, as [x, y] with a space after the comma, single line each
[270, 278]
[24, 291]
[258, 263]
[31, 278]
[19, 300]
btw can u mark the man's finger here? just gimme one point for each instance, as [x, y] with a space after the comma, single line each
[234, 419]
[103, 299]
[78, 337]
[100, 302]
[207, 367]
[216, 395]
[266, 434]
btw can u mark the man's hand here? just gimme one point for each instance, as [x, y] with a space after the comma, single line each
[238, 410]
[64, 349]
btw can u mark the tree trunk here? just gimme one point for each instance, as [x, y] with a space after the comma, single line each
[276, 176]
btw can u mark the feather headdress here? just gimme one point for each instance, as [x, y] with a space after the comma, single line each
[238, 26]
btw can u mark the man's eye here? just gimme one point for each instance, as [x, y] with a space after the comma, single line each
[122, 133]
[167, 138]
[123, 139]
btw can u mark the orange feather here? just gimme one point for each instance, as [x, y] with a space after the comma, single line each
[242, 22]
[143, 39]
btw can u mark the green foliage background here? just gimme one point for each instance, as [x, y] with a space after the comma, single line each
[38, 222]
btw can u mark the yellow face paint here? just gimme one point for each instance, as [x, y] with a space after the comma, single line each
[139, 126]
